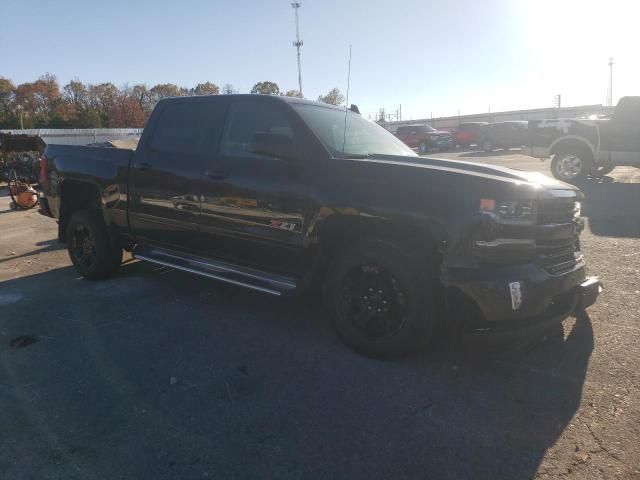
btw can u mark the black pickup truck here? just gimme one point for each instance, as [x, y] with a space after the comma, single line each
[584, 147]
[284, 195]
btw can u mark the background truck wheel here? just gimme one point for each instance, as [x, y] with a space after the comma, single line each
[572, 165]
[383, 298]
[90, 247]
[487, 145]
[423, 148]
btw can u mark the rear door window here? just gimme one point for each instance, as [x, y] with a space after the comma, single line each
[188, 128]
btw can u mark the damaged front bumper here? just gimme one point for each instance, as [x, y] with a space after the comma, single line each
[519, 300]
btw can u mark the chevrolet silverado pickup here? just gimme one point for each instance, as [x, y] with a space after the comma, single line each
[283, 195]
[584, 147]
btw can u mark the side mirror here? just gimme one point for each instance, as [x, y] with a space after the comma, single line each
[275, 145]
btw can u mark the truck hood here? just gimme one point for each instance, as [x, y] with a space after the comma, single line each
[471, 168]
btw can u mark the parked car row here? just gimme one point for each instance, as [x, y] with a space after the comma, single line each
[579, 148]
[488, 136]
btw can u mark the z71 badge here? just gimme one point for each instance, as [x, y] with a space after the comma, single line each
[279, 224]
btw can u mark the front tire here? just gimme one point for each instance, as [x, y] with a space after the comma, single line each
[90, 247]
[383, 298]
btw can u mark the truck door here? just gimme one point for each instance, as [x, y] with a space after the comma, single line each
[167, 171]
[622, 137]
[253, 206]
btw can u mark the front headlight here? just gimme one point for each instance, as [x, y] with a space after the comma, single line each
[509, 209]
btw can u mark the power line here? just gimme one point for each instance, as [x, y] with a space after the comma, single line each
[298, 43]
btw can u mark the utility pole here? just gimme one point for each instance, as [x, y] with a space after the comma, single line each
[19, 108]
[557, 101]
[610, 89]
[298, 43]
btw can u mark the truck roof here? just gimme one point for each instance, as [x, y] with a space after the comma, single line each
[276, 98]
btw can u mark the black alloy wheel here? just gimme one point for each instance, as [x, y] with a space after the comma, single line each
[82, 247]
[91, 249]
[373, 301]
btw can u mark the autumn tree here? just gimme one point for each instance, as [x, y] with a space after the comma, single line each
[103, 98]
[206, 88]
[293, 93]
[165, 90]
[127, 111]
[76, 94]
[143, 97]
[334, 97]
[266, 88]
[7, 104]
[36, 100]
[228, 89]
[76, 99]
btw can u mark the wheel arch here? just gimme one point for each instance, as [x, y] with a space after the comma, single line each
[340, 231]
[571, 140]
[76, 195]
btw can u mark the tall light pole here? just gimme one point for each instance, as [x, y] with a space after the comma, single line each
[19, 108]
[298, 43]
[610, 89]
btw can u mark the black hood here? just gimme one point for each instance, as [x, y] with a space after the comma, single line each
[472, 168]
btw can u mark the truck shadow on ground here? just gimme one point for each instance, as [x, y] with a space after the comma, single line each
[611, 207]
[158, 374]
[46, 246]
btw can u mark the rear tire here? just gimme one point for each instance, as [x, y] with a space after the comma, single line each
[384, 299]
[90, 247]
[572, 164]
[487, 145]
[423, 148]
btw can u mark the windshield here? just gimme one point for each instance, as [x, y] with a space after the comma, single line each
[363, 137]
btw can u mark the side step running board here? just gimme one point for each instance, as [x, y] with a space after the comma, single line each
[225, 272]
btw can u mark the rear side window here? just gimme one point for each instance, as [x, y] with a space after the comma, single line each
[188, 128]
[247, 119]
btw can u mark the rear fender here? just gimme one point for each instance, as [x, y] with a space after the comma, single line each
[74, 196]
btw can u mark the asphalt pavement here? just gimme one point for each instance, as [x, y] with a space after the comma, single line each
[157, 374]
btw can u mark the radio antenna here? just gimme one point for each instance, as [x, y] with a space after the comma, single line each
[346, 107]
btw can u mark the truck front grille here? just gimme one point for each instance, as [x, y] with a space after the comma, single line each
[559, 226]
[559, 258]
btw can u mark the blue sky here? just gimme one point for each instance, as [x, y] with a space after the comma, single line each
[433, 57]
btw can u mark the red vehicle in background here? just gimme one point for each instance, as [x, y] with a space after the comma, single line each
[469, 133]
[424, 138]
